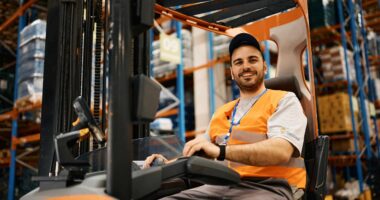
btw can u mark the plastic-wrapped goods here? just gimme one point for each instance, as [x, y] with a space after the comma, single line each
[372, 43]
[162, 124]
[162, 68]
[37, 29]
[221, 44]
[30, 68]
[30, 86]
[31, 64]
[377, 88]
[34, 48]
[333, 64]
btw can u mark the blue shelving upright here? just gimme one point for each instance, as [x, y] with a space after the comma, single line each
[180, 87]
[370, 83]
[350, 94]
[12, 165]
[211, 80]
[267, 58]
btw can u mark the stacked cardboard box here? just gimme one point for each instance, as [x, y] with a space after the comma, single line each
[345, 145]
[333, 64]
[334, 113]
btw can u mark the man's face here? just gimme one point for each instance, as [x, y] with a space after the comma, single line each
[248, 68]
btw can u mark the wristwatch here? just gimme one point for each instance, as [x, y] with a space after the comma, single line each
[222, 152]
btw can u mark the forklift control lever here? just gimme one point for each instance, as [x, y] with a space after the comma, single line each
[86, 120]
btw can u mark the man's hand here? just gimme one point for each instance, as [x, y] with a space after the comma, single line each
[201, 143]
[149, 160]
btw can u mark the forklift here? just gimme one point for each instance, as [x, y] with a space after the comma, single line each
[98, 98]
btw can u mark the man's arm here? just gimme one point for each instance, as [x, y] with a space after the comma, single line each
[273, 151]
[286, 129]
[269, 152]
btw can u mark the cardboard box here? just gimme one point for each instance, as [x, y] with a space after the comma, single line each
[345, 145]
[334, 113]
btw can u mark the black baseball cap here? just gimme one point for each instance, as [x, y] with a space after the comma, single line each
[243, 39]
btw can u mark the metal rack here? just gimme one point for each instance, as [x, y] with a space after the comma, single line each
[12, 115]
[363, 79]
[179, 77]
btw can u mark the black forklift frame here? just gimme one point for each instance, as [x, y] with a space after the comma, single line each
[62, 77]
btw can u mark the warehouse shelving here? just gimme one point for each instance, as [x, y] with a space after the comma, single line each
[330, 87]
[327, 35]
[190, 70]
[179, 76]
[169, 79]
[29, 134]
[370, 3]
[19, 12]
[12, 165]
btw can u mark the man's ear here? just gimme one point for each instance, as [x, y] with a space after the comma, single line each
[265, 68]
[232, 75]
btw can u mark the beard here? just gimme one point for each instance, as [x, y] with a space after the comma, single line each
[250, 86]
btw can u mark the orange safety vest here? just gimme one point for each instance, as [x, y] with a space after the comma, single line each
[253, 128]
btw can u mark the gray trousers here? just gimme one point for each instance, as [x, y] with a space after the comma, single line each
[270, 188]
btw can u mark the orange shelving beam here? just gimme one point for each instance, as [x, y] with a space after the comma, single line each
[168, 113]
[15, 111]
[372, 15]
[325, 29]
[369, 3]
[20, 11]
[8, 115]
[192, 69]
[24, 140]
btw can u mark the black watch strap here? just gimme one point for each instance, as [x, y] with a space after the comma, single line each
[222, 154]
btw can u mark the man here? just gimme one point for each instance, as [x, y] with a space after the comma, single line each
[260, 135]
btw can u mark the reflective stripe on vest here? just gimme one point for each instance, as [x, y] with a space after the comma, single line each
[253, 128]
[293, 162]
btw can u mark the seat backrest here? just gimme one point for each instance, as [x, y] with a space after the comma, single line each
[315, 152]
[286, 83]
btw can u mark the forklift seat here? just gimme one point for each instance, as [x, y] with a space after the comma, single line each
[315, 152]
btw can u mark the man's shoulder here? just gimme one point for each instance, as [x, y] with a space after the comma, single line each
[271, 91]
[283, 92]
[278, 94]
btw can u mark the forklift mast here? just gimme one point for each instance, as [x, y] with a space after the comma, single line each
[69, 73]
